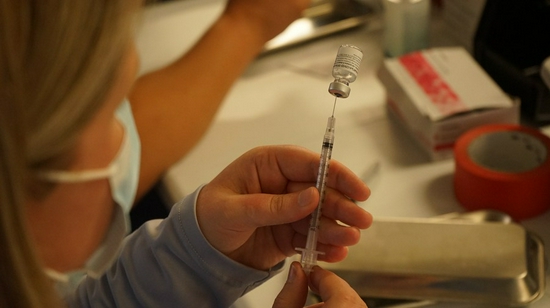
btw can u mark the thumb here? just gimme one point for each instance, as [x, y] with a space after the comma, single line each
[295, 290]
[268, 210]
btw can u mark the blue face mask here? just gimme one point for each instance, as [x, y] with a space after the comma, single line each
[123, 175]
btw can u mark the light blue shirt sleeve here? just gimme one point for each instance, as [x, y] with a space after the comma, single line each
[169, 263]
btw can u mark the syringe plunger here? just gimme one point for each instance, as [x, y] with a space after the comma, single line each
[345, 69]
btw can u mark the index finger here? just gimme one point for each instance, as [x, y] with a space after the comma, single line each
[298, 164]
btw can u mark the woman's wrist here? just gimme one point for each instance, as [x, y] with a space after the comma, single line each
[245, 31]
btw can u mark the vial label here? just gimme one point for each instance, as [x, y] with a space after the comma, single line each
[347, 63]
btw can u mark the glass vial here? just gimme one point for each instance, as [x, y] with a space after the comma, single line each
[406, 26]
[345, 69]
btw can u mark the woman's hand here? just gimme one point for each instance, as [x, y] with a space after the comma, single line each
[266, 17]
[333, 290]
[256, 211]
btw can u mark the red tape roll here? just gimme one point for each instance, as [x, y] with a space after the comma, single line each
[503, 167]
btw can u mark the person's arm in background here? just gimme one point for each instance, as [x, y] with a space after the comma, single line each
[174, 106]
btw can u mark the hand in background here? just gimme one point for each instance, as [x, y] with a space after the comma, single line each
[268, 17]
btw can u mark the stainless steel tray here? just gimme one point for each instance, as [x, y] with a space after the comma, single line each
[323, 17]
[476, 258]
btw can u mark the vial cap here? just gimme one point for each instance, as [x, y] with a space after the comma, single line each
[339, 89]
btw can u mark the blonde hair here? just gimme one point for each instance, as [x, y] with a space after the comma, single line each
[58, 60]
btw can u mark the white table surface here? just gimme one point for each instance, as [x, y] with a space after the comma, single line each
[283, 99]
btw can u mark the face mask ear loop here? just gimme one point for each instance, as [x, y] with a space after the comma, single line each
[59, 176]
[56, 276]
[62, 176]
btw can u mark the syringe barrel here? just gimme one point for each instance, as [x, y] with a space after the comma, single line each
[329, 131]
[326, 153]
[309, 253]
[312, 238]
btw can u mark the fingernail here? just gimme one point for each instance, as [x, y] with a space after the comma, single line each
[291, 273]
[304, 199]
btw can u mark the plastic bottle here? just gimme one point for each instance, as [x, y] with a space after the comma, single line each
[406, 26]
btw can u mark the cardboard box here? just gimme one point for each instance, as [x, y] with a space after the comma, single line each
[438, 94]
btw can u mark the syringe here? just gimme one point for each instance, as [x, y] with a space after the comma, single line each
[344, 71]
[310, 253]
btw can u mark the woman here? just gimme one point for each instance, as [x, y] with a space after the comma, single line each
[69, 170]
